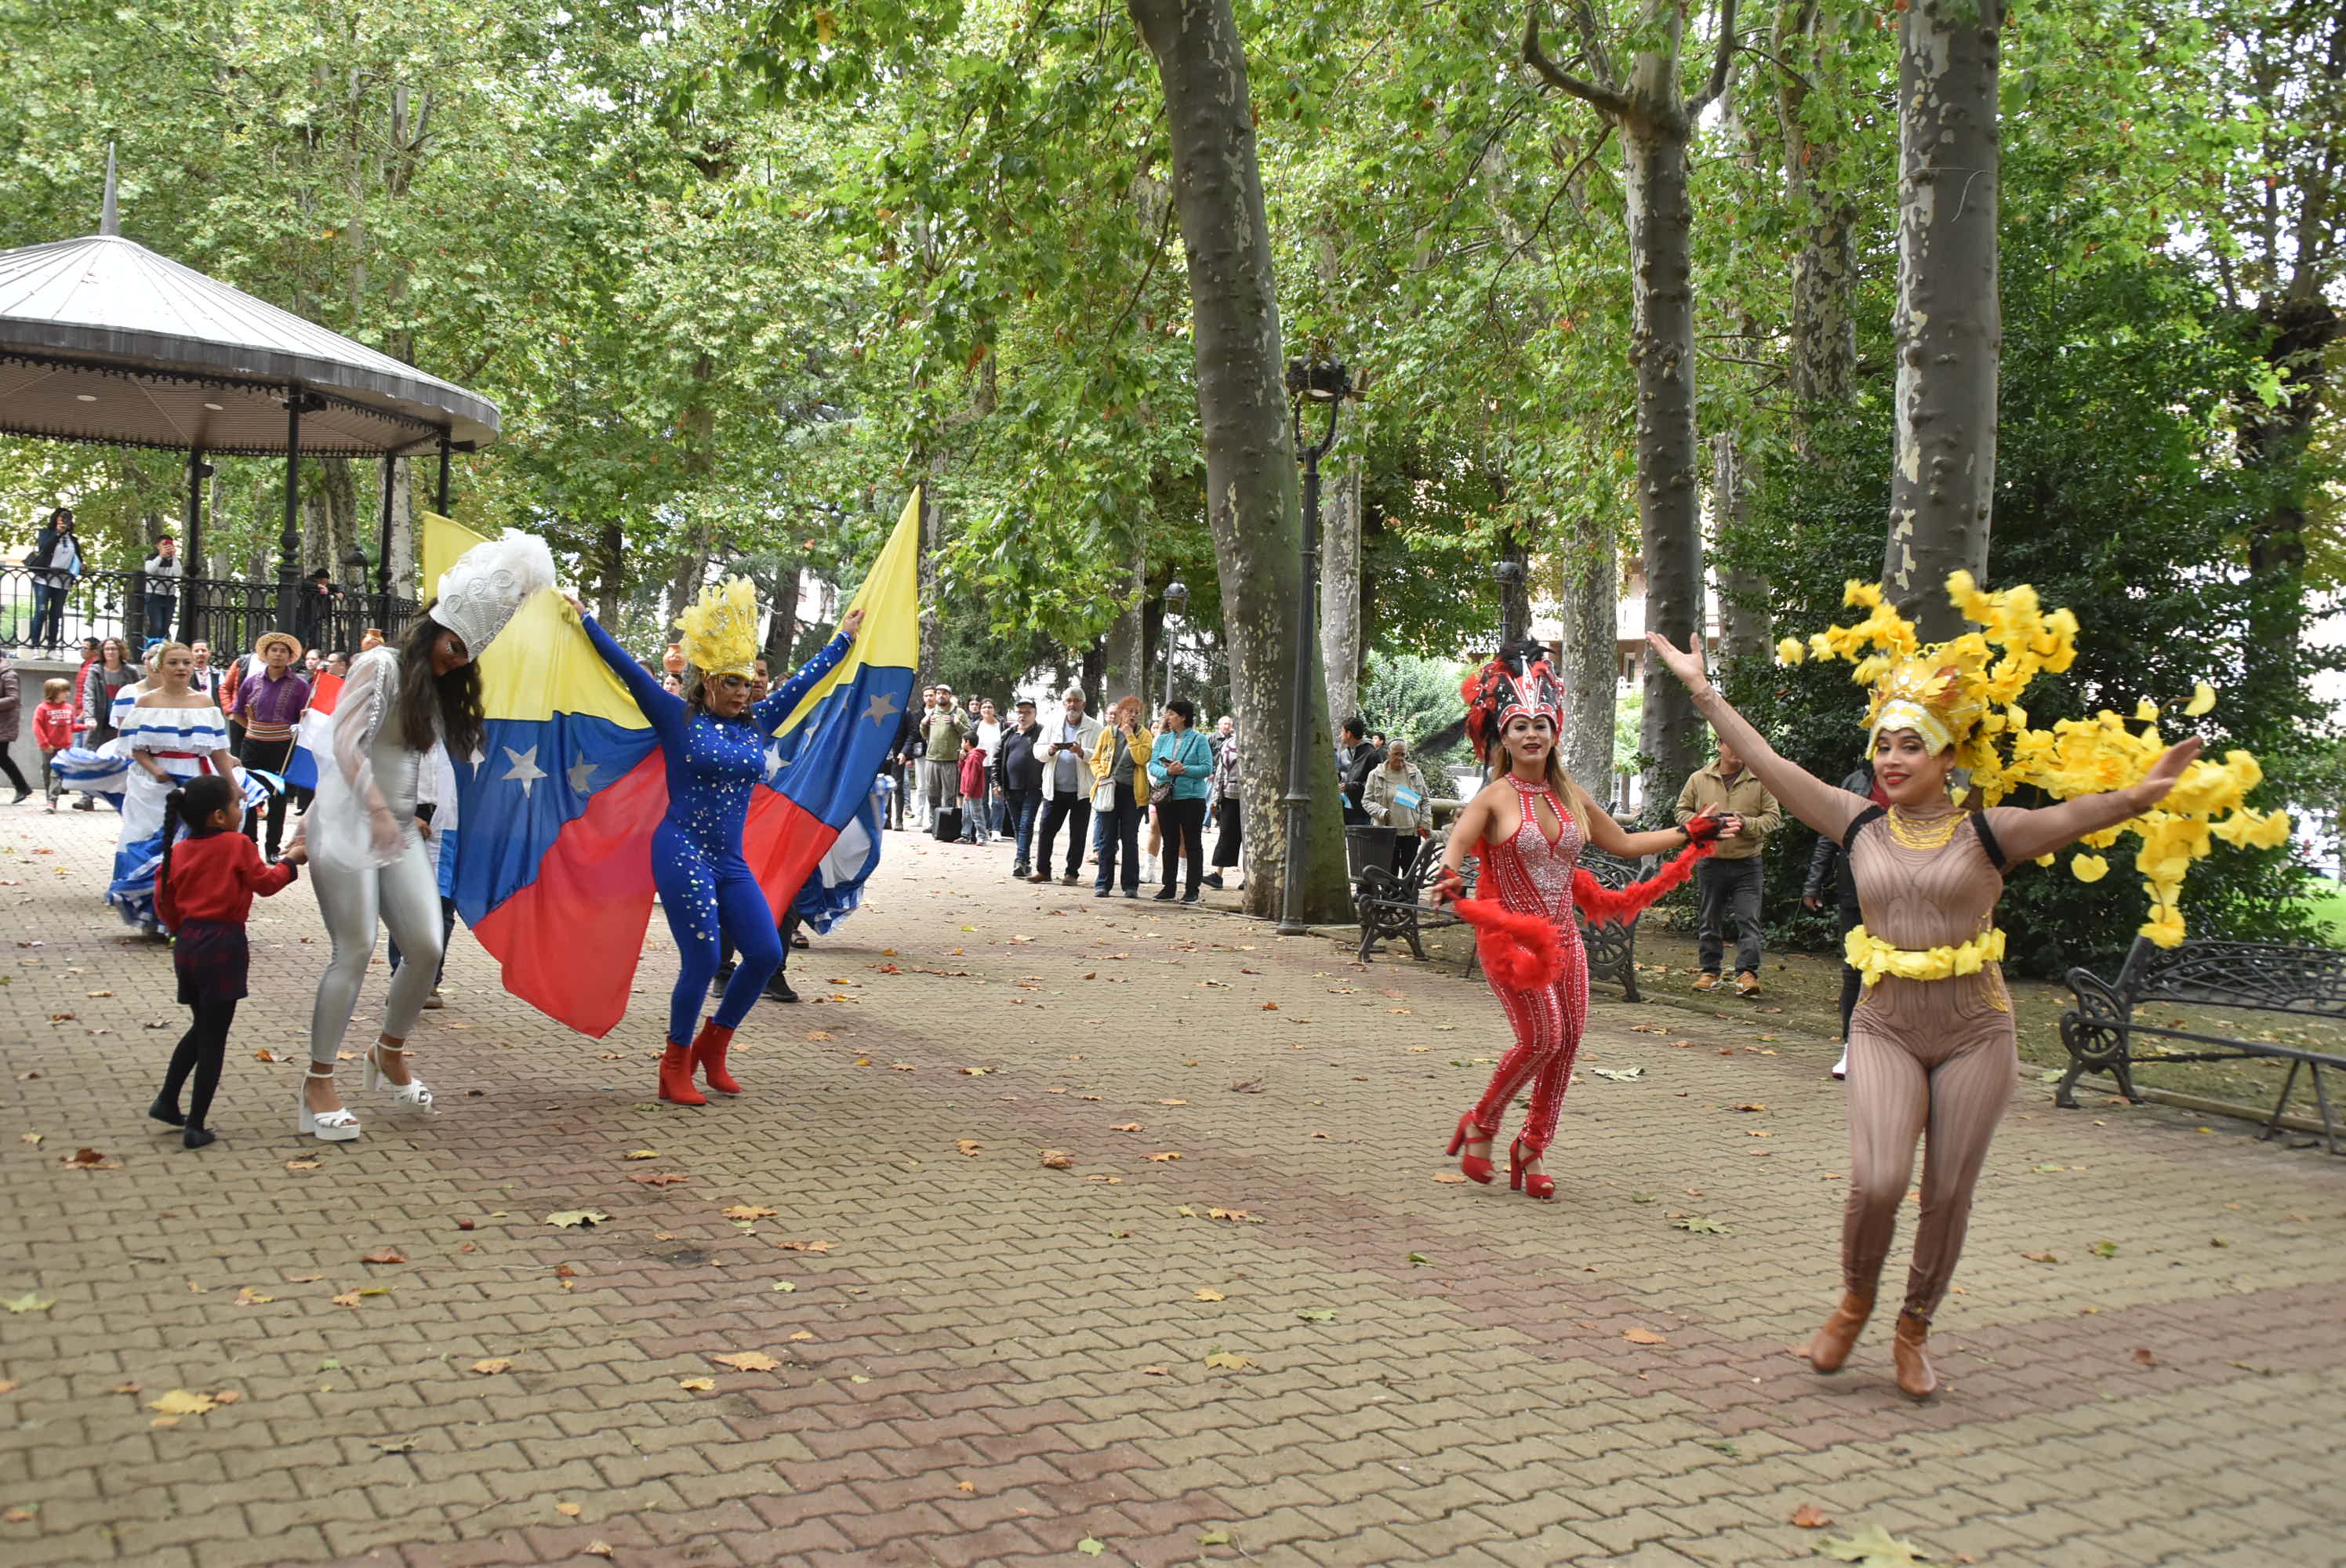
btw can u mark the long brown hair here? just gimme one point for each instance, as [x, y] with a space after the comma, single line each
[449, 705]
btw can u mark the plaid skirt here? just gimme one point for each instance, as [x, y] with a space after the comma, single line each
[209, 958]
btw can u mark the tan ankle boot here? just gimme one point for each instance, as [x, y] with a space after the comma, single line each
[1915, 1379]
[1830, 1346]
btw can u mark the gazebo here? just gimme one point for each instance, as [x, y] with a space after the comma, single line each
[103, 341]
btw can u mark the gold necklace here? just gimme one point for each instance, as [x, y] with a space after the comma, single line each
[1931, 833]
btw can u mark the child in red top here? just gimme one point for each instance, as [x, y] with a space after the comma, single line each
[53, 729]
[204, 891]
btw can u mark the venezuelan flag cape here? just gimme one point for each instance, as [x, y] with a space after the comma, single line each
[553, 864]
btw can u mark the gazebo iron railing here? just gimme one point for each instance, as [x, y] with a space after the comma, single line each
[226, 612]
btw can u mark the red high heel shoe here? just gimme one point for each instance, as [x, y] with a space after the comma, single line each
[1477, 1168]
[1533, 1184]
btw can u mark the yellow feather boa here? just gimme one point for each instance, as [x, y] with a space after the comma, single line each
[1873, 958]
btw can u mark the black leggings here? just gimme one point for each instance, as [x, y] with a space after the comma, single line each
[1184, 822]
[271, 756]
[8, 766]
[201, 1049]
[1225, 845]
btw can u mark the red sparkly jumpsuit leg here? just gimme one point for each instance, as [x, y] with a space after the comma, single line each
[1547, 1024]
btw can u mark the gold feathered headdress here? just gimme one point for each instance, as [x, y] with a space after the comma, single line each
[1966, 694]
[720, 629]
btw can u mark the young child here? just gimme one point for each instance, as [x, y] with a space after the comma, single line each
[53, 731]
[204, 892]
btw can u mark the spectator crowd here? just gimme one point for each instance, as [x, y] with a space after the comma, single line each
[1139, 798]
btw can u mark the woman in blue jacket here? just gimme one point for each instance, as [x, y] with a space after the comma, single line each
[1184, 759]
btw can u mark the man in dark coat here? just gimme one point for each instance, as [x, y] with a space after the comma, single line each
[1018, 774]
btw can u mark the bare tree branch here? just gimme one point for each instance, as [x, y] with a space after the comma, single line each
[1721, 64]
[1605, 100]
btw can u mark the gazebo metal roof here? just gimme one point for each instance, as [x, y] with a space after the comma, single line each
[102, 340]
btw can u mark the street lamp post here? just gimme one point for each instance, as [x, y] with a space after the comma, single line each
[1176, 601]
[1321, 382]
[1509, 575]
[355, 570]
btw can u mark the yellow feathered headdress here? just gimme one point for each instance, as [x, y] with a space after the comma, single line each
[720, 629]
[1966, 694]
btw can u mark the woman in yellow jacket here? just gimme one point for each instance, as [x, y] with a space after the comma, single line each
[1120, 797]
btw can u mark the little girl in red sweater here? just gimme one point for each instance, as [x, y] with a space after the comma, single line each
[53, 731]
[204, 892]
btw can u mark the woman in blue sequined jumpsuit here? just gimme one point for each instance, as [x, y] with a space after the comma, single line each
[715, 745]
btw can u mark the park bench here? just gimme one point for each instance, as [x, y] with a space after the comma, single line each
[2307, 983]
[1397, 909]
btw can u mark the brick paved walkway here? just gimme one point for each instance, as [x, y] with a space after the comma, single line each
[1250, 1321]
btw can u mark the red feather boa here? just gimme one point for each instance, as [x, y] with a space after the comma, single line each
[1521, 951]
[1525, 953]
[1603, 906]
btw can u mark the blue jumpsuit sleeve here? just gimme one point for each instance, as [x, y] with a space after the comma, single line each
[662, 707]
[777, 706]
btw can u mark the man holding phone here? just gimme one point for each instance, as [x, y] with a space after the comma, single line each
[1065, 749]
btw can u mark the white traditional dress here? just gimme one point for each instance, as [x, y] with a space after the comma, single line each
[181, 741]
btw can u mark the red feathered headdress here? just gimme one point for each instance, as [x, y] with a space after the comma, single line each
[1518, 681]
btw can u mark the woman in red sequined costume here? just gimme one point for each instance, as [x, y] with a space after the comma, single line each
[1529, 825]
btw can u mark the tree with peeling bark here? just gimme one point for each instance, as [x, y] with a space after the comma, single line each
[1648, 104]
[1251, 491]
[1949, 328]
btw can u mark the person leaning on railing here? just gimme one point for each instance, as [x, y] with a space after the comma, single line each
[55, 562]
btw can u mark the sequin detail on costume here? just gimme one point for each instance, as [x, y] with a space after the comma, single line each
[1531, 874]
[706, 888]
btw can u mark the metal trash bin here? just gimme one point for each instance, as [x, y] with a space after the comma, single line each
[1366, 845]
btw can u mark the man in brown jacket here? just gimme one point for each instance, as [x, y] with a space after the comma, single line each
[1728, 881]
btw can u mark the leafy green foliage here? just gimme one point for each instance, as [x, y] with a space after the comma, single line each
[2118, 497]
[1407, 697]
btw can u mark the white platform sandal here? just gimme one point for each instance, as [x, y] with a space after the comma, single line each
[328, 1126]
[415, 1093]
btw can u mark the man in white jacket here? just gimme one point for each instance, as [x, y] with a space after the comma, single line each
[1065, 749]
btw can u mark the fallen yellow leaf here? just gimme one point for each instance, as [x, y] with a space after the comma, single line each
[181, 1402]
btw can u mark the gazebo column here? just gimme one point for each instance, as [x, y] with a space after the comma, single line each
[289, 539]
[191, 556]
[443, 507]
[382, 552]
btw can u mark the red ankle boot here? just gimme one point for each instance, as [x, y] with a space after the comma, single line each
[1477, 1168]
[676, 1078]
[709, 1057]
